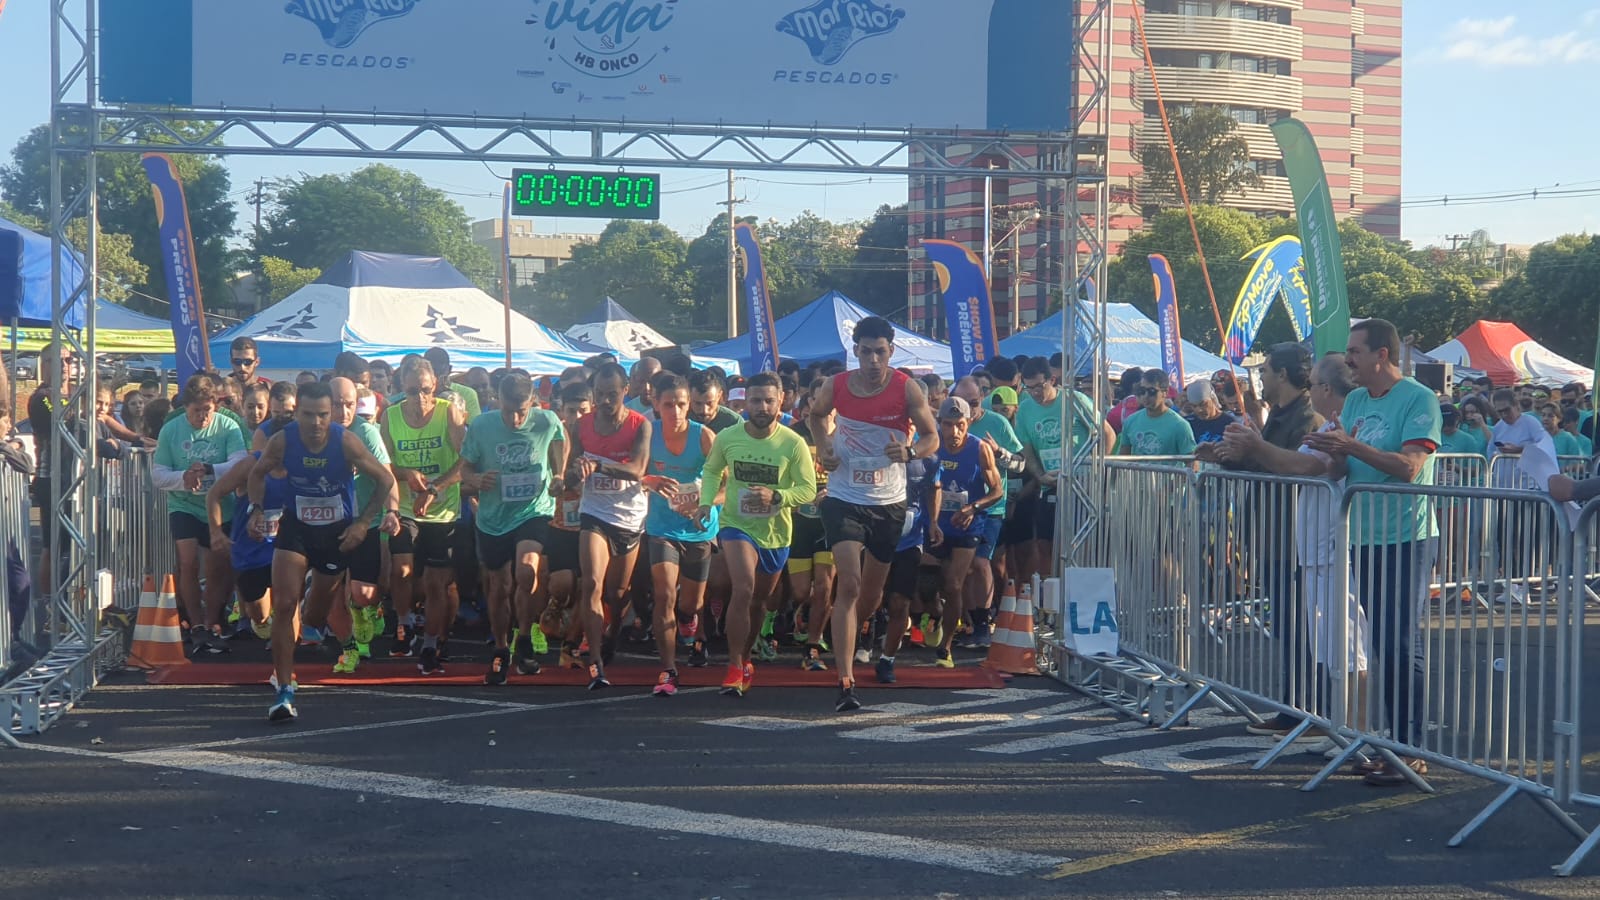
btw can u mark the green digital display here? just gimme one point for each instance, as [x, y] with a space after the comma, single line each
[588, 195]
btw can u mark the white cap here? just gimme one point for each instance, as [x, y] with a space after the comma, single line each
[367, 406]
[736, 394]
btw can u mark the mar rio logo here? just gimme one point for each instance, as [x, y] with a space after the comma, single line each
[830, 28]
[605, 38]
[343, 21]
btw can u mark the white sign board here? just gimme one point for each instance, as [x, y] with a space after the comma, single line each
[972, 65]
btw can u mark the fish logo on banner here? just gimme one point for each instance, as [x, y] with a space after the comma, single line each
[1167, 316]
[966, 304]
[830, 28]
[763, 332]
[179, 265]
[342, 22]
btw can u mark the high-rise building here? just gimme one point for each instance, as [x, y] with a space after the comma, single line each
[1333, 64]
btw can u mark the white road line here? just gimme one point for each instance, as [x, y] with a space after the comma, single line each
[886, 711]
[290, 733]
[440, 698]
[651, 817]
[1198, 721]
[980, 723]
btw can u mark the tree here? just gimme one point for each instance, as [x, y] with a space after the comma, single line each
[127, 205]
[877, 278]
[1556, 297]
[317, 220]
[805, 258]
[119, 270]
[280, 278]
[1215, 158]
[638, 264]
[706, 274]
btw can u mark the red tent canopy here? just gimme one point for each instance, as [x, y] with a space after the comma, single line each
[1508, 356]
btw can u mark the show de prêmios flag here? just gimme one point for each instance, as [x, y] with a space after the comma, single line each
[1167, 317]
[178, 261]
[758, 297]
[967, 307]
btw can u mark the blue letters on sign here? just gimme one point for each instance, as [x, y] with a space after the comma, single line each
[1103, 619]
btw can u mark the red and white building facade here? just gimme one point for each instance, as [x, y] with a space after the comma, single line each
[1333, 64]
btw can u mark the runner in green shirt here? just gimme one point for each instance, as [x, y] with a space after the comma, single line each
[1039, 431]
[769, 472]
[508, 457]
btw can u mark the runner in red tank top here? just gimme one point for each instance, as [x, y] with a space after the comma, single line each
[866, 453]
[610, 454]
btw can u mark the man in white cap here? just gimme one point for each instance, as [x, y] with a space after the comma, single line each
[1209, 421]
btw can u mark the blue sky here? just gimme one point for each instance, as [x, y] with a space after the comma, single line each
[1488, 105]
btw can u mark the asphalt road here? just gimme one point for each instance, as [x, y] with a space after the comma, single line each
[1027, 791]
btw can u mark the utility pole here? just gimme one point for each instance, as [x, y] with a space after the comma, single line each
[733, 262]
[1456, 239]
[1016, 281]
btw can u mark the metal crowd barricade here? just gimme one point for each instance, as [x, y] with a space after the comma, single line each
[19, 616]
[1581, 789]
[1503, 471]
[1250, 583]
[1482, 691]
[136, 538]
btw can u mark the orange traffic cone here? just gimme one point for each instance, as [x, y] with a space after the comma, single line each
[157, 634]
[1011, 650]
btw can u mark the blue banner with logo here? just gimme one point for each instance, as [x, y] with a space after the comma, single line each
[1167, 316]
[1273, 263]
[967, 306]
[1297, 300]
[758, 301]
[177, 259]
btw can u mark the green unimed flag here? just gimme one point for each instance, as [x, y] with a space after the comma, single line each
[1319, 236]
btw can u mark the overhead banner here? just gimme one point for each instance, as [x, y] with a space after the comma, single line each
[967, 306]
[758, 300]
[1319, 232]
[177, 260]
[1274, 262]
[997, 64]
[1167, 317]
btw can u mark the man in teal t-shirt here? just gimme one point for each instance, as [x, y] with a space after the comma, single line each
[1039, 432]
[1155, 429]
[508, 457]
[1389, 433]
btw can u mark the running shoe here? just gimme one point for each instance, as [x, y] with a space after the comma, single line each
[283, 709]
[813, 661]
[527, 664]
[309, 636]
[349, 659]
[666, 684]
[935, 636]
[205, 642]
[569, 657]
[375, 619]
[429, 665]
[766, 649]
[364, 649]
[698, 658]
[263, 630]
[885, 671]
[942, 659]
[749, 677]
[273, 680]
[541, 644]
[733, 683]
[498, 664]
[767, 624]
[402, 641]
[360, 624]
[916, 639]
[847, 697]
[597, 678]
[863, 656]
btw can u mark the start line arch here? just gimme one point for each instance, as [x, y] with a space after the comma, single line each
[402, 80]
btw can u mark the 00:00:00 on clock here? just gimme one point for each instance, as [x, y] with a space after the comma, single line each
[581, 190]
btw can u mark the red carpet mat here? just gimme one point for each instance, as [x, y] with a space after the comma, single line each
[404, 673]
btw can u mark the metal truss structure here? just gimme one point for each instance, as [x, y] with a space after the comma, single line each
[81, 128]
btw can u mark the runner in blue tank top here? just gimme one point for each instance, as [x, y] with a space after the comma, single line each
[249, 552]
[969, 485]
[318, 529]
[678, 543]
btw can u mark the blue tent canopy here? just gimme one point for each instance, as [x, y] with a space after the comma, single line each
[821, 330]
[34, 309]
[1132, 340]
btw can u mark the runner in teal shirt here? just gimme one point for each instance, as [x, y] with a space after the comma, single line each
[1155, 429]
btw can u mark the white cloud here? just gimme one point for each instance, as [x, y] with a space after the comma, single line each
[1496, 43]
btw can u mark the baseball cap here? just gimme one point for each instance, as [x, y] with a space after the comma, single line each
[1201, 391]
[736, 394]
[367, 406]
[954, 407]
[1448, 412]
[1003, 395]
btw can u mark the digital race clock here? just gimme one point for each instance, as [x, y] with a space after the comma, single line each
[590, 195]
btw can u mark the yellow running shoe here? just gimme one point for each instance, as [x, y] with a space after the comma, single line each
[348, 661]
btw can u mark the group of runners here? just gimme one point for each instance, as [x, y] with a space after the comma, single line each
[844, 496]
